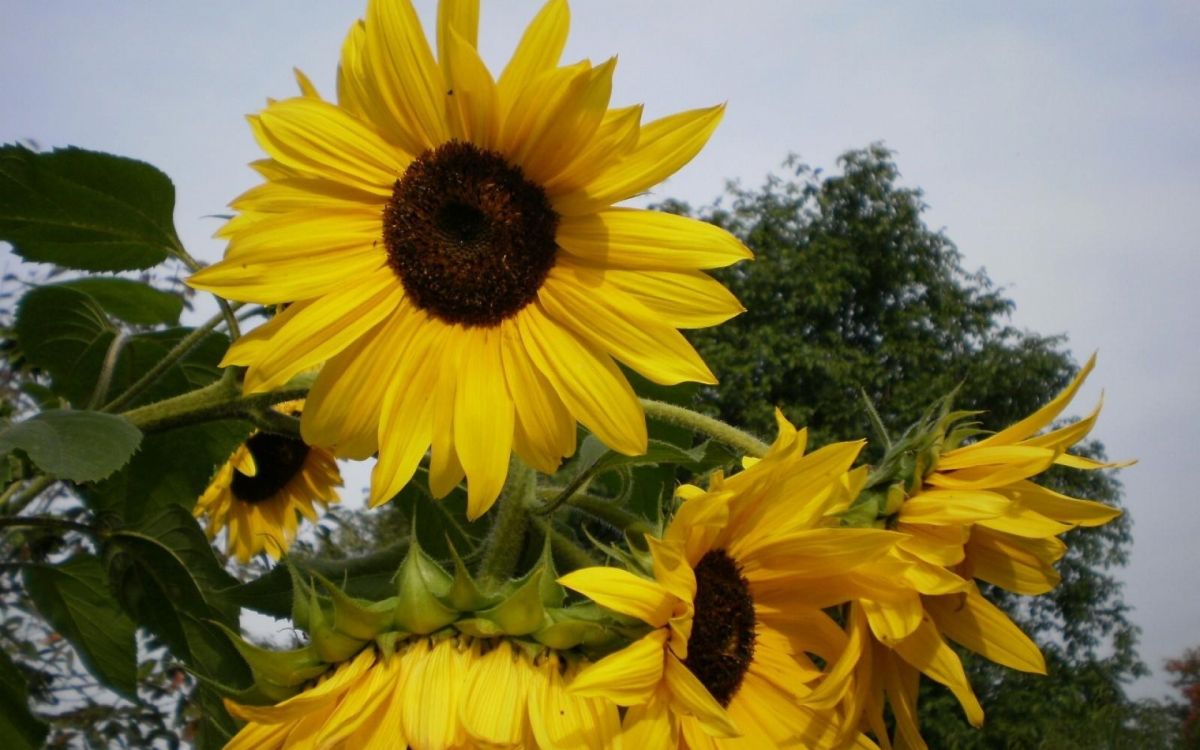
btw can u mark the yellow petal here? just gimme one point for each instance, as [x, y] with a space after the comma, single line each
[483, 419]
[690, 697]
[616, 324]
[945, 507]
[472, 103]
[979, 625]
[401, 73]
[539, 49]
[937, 545]
[1043, 416]
[360, 703]
[461, 17]
[627, 238]
[406, 422]
[623, 592]
[663, 147]
[308, 336]
[325, 693]
[445, 468]
[626, 677]
[545, 429]
[893, 621]
[681, 299]
[587, 381]
[817, 552]
[1061, 507]
[926, 651]
[493, 701]
[616, 136]
[319, 139]
[1022, 566]
[991, 455]
[560, 719]
[344, 405]
[433, 687]
[562, 128]
[651, 725]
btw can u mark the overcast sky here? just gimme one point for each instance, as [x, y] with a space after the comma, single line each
[1056, 143]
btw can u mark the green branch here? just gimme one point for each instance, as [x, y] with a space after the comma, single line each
[504, 543]
[705, 425]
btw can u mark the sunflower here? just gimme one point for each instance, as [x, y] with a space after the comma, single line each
[265, 485]
[741, 579]
[436, 694]
[450, 249]
[974, 512]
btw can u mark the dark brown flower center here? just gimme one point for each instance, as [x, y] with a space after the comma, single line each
[721, 646]
[469, 237]
[278, 458]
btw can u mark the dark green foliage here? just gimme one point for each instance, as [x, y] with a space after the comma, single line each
[79, 446]
[19, 728]
[852, 293]
[85, 210]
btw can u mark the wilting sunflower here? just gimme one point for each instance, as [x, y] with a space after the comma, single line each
[975, 513]
[437, 694]
[260, 492]
[449, 247]
[742, 577]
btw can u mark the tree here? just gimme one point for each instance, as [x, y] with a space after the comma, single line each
[1186, 677]
[851, 295]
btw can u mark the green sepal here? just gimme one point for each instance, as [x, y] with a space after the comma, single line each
[261, 693]
[304, 598]
[552, 593]
[422, 584]
[355, 617]
[280, 668]
[522, 612]
[464, 594]
[478, 627]
[332, 645]
[572, 634]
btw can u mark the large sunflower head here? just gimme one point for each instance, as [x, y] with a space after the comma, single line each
[449, 247]
[740, 583]
[264, 488]
[435, 693]
[968, 510]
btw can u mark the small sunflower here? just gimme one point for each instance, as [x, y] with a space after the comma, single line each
[975, 513]
[436, 694]
[742, 577]
[265, 485]
[448, 245]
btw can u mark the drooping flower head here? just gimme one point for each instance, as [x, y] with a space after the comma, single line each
[436, 694]
[741, 579]
[448, 246]
[969, 510]
[265, 487]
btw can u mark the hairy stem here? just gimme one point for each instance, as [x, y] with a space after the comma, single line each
[502, 548]
[19, 501]
[218, 400]
[180, 350]
[705, 425]
[100, 392]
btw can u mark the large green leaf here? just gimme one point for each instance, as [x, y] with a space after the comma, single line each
[75, 599]
[172, 467]
[131, 301]
[80, 446]
[176, 529]
[156, 586]
[66, 331]
[85, 209]
[19, 728]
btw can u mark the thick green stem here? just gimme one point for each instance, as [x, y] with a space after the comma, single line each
[185, 345]
[219, 400]
[705, 425]
[503, 546]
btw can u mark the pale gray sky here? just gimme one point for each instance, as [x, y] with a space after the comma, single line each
[1056, 143]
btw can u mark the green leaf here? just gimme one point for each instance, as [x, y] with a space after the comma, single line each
[131, 301]
[66, 331]
[176, 529]
[80, 446]
[172, 468]
[85, 210]
[75, 599]
[19, 728]
[156, 587]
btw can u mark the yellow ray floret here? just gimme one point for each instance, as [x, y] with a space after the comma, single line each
[448, 244]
